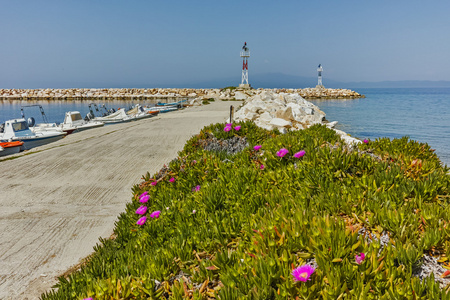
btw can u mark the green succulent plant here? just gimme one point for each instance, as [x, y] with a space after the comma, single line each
[234, 226]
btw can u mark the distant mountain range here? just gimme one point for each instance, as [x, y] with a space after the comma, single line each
[280, 80]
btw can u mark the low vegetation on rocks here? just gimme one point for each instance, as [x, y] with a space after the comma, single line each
[247, 213]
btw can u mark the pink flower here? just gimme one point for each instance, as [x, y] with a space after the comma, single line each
[299, 154]
[154, 183]
[90, 298]
[155, 214]
[143, 194]
[237, 128]
[303, 273]
[360, 258]
[141, 221]
[194, 161]
[194, 211]
[227, 128]
[172, 179]
[196, 188]
[141, 210]
[144, 198]
[261, 167]
[282, 152]
[257, 147]
[229, 124]
[366, 141]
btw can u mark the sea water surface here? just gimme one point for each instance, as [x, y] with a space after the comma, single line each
[423, 114]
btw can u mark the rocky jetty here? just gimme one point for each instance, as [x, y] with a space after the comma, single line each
[284, 111]
[169, 94]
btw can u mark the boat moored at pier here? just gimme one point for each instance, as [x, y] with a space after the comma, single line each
[18, 130]
[7, 148]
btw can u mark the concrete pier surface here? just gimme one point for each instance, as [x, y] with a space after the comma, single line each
[57, 200]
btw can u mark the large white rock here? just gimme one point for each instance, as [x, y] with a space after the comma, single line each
[263, 125]
[265, 117]
[240, 96]
[347, 139]
[280, 122]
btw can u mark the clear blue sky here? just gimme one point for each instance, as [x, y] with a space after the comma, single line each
[103, 43]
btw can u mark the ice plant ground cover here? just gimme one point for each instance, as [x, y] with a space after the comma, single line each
[253, 226]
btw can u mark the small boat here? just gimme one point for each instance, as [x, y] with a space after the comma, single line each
[119, 116]
[179, 104]
[138, 112]
[74, 122]
[42, 127]
[18, 130]
[162, 109]
[7, 148]
[108, 116]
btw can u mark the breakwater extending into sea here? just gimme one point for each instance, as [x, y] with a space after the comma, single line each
[155, 93]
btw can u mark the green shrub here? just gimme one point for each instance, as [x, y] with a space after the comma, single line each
[255, 216]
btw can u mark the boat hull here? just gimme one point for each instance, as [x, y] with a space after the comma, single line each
[36, 141]
[9, 148]
[77, 128]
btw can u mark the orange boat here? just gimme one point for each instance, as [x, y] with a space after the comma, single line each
[7, 148]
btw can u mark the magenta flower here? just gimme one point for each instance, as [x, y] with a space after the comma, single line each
[366, 141]
[90, 298]
[237, 128]
[257, 147]
[143, 194]
[154, 183]
[300, 154]
[144, 199]
[261, 167]
[194, 161]
[282, 152]
[303, 273]
[155, 214]
[360, 258]
[141, 210]
[196, 188]
[229, 124]
[227, 128]
[172, 179]
[141, 221]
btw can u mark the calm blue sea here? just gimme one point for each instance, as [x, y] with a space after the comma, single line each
[423, 114]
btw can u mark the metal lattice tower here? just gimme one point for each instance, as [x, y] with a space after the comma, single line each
[245, 54]
[319, 75]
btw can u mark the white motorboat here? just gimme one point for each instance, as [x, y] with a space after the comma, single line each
[74, 122]
[119, 116]
[138, 112]
[41, 127]
[18, 130]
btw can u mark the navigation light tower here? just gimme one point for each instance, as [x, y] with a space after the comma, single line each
[245, 54]
[319, 76]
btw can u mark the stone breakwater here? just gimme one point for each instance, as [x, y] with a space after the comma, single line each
[170, 94]
[284, 111]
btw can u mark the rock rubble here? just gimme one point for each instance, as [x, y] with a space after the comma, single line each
[284, 111]
[160, 93]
